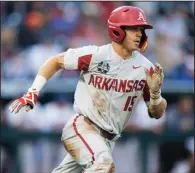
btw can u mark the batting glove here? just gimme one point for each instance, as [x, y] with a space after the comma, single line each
[28, 100]
[154, 80]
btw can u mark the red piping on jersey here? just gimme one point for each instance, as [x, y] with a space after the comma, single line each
[82, 139]
[83, 62]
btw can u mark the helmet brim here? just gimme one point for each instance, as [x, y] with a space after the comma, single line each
[146, 26]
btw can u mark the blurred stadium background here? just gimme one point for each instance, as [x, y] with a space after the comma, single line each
[31, 32]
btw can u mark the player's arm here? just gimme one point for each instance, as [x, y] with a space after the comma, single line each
[73, 59]
[157, 111]
[49, 68]
[157, 104]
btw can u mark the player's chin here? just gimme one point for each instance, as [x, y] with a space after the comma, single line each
[133, 47]
[136, 47]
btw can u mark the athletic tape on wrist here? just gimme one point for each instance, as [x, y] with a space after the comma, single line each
[38, 84]
[155, 94]
[155, 101]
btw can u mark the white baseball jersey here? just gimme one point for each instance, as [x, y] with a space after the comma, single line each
[109, 87]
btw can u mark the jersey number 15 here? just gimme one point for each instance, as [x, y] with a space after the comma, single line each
[129, 103]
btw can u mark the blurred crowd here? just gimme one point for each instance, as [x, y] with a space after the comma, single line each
[34, 31]
[31, 32]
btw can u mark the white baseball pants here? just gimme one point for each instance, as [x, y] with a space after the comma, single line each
[88, 151]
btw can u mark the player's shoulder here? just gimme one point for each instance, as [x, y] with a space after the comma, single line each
[143, 60]
[102, 53]
[84, 50]
[94, 50]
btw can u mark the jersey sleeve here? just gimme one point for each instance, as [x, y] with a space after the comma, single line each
[146, 90]
[79, 58]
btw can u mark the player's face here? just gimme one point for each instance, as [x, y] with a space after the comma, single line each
[132, 38]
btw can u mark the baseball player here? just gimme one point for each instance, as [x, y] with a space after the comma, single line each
[113, 77]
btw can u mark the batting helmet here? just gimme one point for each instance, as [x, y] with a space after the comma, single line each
[127, 16]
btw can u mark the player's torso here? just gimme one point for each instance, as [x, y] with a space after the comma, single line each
[114, 86]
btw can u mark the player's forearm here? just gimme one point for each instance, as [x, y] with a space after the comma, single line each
[157, 111]
[49, 68]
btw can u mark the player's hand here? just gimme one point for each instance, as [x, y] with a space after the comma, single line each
[28, 100]
[155, 79]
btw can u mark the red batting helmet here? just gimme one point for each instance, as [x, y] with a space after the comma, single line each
[127, 16]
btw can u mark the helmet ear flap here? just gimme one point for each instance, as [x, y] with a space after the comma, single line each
[116, 33]
[143, 42]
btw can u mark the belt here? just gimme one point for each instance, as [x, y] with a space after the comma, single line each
[103, 132]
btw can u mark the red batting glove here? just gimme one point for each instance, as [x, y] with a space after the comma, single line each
[29, 100]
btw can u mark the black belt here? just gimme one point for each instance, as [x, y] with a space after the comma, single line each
[103, 132]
